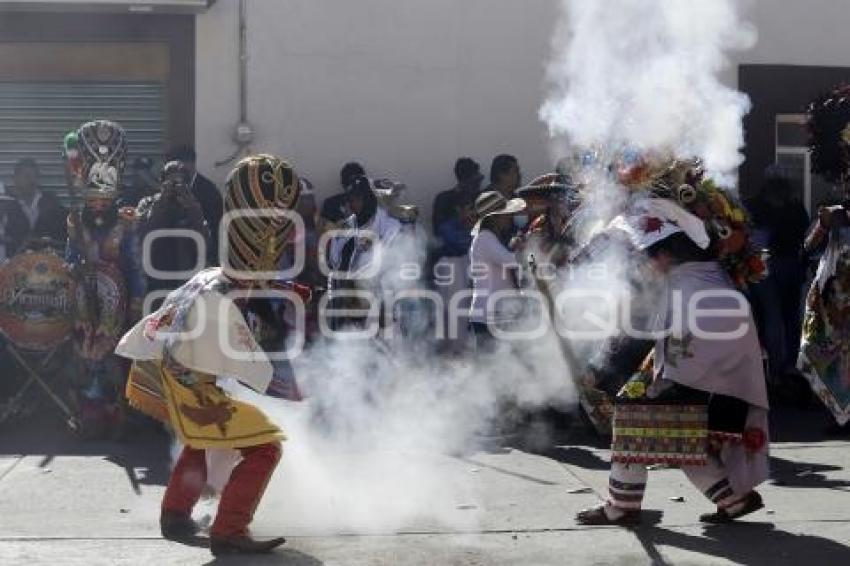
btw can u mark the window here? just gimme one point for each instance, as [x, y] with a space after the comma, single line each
[792, 153]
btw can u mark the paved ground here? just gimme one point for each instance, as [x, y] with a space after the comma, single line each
[67, 502]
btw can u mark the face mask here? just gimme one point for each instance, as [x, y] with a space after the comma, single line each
[520, 221]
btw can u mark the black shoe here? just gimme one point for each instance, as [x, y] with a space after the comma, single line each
[752, 503]
[177, 526]
[596, 516]
[221, 546]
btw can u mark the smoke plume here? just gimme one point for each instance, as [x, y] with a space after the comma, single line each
[645, 75]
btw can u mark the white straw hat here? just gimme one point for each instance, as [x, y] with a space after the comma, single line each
[492, 203]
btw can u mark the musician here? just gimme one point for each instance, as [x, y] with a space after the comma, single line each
[104, 256]
[33, 213]
[173, 377]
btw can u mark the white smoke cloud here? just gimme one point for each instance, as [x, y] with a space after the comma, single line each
[374, 447]
[645, 74]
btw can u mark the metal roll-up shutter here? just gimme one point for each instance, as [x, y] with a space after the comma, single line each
[34, 117]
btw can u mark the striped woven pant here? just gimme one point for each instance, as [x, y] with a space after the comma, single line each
[627, 484]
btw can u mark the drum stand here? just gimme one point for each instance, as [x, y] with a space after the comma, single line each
[35, 377]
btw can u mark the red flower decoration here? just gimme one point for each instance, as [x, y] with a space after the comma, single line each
[651, 224]
[754, 439]
[702, 210]
[634, 174]
[755, 265]
[734, 243]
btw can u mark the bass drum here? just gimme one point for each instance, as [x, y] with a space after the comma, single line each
[37, 300]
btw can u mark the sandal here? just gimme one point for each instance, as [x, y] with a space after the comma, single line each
[596, 516]
[752, 503]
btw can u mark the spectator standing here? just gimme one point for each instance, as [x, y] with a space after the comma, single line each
[334, 209]
[505, 175]
[174, 207]
[780, 223]
[469, 179]
[206, 193]
[371, 232]
[453, 218]
[354, 254]
[493, 266]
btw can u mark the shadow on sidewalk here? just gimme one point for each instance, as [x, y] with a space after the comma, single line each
[788, 473]
[143, 453]
[287, 556]
[577, 456]
[752, 544]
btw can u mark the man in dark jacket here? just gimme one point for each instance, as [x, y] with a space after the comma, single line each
[334, 208]
[780, 223]
[505, 175]
[172, 208]
[33, 213]
[206, 193]
[469, 178]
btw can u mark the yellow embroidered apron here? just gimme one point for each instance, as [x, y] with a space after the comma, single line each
[202, 415]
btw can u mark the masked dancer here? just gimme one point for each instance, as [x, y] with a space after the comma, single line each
[202, 333]
[103, 253]
[825, 346]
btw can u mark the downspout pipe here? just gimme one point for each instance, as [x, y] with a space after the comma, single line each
[243, 134]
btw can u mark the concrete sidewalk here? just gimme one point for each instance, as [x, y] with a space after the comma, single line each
[63, 502]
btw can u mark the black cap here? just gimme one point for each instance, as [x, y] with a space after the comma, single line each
[359, 185]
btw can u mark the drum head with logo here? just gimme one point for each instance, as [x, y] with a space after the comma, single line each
[37, 300]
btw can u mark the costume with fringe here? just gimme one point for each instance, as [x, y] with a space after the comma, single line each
[173, 379]
[824, 357]
[200, 334]
[104, 255]
[702, 404]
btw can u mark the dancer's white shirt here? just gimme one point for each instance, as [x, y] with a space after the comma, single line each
[489, 269]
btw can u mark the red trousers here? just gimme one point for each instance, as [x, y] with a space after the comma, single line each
[240, 496]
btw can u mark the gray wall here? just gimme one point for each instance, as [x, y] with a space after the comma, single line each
[800, 32]
[405, 86]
